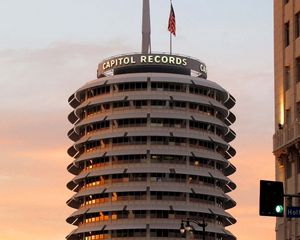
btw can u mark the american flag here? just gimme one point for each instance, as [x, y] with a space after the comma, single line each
[172, 22]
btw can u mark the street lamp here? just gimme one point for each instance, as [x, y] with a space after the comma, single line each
[182, 228]
[187, 227]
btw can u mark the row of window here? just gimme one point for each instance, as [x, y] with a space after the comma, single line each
[166, 159]
[287, 74]
[154, 122]
[153, 214]
[154, 233]
[287, 29]
[161, 159]
[115, 215]
[116, 234]
[209, 218]
[91, 110]
[157, 233]
[288, 116]
[162, 196]
[153, 140]
[154, 177]
[287, 37]
[155, 86]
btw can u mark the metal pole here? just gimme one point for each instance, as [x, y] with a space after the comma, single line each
[170, 43]
[203, 226]
[146, 28]
[170, 33]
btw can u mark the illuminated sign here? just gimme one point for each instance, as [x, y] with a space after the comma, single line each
[152, 59]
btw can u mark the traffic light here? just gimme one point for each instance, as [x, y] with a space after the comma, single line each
[271, 198]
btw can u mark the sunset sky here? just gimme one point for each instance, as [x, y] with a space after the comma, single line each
[50, 48]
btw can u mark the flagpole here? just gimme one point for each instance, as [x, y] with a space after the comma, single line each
[170, 34]
[170, 43]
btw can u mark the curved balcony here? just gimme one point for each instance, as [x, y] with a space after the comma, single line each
[150, 149]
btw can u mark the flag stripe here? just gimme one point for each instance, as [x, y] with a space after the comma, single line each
[172, 22]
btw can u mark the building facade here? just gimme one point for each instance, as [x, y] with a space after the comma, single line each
[151, 148]
[287, 108]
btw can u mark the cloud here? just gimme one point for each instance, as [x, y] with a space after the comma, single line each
[42, 79]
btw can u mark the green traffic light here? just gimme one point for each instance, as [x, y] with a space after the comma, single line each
[279, 209]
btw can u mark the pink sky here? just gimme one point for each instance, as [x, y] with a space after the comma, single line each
[33, 142]
[47, 52]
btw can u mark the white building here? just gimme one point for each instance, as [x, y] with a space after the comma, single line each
[151, 148]
[287, 108]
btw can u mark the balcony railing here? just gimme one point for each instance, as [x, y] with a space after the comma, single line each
[286, 135]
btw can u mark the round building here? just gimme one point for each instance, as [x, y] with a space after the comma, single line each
[151, 148]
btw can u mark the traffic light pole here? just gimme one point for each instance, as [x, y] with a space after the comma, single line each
[271, 199]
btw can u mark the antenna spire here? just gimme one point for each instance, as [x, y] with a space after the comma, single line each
[146, 28]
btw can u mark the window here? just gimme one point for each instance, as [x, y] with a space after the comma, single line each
[159, 103]
[130, 122]
[297, 24]
[121, 104]
[173, 87]
[297, 67]
[140, 103]
[298, 163]
[96, 126]
[93, 109]
[287, 78]
[287, 34]
[139, 213]
[288, 169]
[98, 91]
[178, 104]
[298, 112]
[128, 233]
[288, 116]
[91, 145]
[93, 163]
[134, 86]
